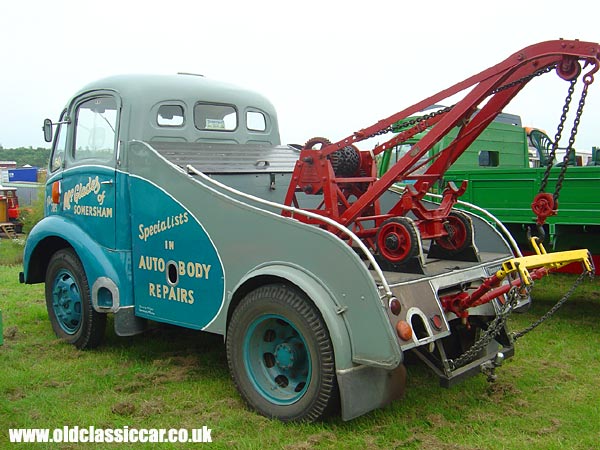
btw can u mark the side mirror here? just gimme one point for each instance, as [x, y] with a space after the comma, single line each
[47, 130]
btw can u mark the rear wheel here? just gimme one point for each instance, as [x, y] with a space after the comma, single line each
[280, 355]
[460, 233]
[69, 303]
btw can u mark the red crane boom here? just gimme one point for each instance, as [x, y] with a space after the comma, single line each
[346, 179]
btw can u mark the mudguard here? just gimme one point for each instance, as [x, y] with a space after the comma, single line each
[99, 263]
[323, 299]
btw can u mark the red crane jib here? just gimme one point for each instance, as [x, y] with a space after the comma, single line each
[352, 197]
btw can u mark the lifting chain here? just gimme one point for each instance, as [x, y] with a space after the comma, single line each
[412, 122]
[561, 177]
[525, 79]
[496, 325]
[558, 135]
[493, 329]
[551, 311]
[417, 120]
[545, 205]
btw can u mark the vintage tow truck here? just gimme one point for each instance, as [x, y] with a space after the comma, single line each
[171, 199]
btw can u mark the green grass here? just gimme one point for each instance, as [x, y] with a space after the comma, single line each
[11, 251]
[546, 397]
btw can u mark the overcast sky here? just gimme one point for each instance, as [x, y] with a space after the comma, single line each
[330, 68]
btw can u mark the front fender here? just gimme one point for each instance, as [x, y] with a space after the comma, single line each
[54, 233]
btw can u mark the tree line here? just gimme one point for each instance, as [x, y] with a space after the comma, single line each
[37, 157]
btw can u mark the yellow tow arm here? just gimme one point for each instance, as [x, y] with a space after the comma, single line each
[555, 260]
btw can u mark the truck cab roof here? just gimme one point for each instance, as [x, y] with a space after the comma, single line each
[189, 108]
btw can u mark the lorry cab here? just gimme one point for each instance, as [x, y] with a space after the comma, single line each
[92, 194]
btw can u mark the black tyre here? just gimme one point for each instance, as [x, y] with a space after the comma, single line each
[346, 161]
[397, 240]
[460, 233]
[69, 302]
[280, 355]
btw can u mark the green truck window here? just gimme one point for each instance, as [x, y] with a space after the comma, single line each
[489, 158]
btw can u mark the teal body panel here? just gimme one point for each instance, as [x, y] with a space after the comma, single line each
[248, 237]
[177, 272]
[87, 200]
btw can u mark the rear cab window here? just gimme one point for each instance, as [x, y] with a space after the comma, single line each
[256, 121]
[215, 117]
[170, 116]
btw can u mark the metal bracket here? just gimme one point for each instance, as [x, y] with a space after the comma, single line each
[550, 261]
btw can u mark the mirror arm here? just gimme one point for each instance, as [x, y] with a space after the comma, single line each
[47, 128]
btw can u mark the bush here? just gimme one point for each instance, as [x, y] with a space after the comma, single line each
[34, 213]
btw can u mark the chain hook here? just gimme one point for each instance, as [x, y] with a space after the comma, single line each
[541, 233]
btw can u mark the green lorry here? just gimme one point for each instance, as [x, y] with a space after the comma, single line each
[504, 168]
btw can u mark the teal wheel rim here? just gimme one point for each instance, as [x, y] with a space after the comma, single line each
[277, 359]
[66, 302]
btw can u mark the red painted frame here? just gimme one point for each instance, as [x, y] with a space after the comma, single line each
[498, 85]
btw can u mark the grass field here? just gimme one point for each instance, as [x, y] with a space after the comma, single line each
[546, 397]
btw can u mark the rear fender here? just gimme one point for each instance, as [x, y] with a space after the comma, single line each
[321, 297]
[361, 388]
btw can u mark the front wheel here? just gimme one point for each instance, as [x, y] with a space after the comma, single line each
[69, 303]
[280, 355]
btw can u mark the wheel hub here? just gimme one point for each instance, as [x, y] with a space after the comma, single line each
[277, 359]
[67, 303]
[285, 355]
[392, 242]
[289, 355]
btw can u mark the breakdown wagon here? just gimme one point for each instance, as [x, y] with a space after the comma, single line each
[171, 199]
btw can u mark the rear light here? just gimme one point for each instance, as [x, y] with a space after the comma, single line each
[395, 306]
[437, 322]
[404, 330]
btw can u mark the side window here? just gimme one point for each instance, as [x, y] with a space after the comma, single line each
[170, 116]
[95, 130]
[256, 121]
[489, 158]
[399, 151]
[60, 145]
[215, 117]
